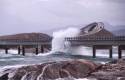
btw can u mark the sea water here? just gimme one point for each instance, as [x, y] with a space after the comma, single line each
[11, 59]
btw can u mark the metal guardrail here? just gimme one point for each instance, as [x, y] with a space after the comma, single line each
[96, 38]
[24, 42]
[32, 40]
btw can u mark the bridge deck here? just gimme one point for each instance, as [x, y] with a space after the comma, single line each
[100, 42]
[89, 41]
[24, 42]
[21, 45]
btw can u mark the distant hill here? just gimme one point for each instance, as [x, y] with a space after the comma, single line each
[27, 36]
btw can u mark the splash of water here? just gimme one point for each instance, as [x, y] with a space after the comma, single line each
[59, 43]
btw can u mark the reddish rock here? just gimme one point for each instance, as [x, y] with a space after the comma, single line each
[54, 70]
[114, 70]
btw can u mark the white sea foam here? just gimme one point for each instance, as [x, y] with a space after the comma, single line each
[44, 54]
[10, 53]
[85, 79]
[76, 79]
[5, 68]
[13, 51]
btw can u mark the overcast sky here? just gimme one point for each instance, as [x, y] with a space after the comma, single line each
[18, 16]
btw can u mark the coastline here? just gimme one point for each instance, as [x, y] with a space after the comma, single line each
[78, 69]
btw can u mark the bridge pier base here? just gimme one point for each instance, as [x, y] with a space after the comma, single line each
[94, 52]
[120, 48]
[23, 51]
[19, 50]
[6, 50]
[102, 47]
[42, 49]
[37, 51]
[110, 53]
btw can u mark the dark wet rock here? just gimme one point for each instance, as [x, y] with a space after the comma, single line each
[4, 77]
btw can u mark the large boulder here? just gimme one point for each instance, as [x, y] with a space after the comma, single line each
[76, 69]
[52, 70]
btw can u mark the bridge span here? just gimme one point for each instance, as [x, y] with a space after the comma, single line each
[21, 45]
[99, 42]
[37, 42]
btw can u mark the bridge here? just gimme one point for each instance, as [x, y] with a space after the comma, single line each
[100, 42]
[22, 45]
[96, 36]
[97, 40]
[21, 42]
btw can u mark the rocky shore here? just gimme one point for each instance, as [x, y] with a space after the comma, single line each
[114, 70]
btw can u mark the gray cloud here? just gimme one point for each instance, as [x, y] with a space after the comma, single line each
[42, 15]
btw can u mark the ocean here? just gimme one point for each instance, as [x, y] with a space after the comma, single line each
[13, 59]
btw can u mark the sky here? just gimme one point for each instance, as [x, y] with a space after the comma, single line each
[21, 16]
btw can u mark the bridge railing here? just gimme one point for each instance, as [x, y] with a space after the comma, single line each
[25, 42]
[96, 38]
[20, 41]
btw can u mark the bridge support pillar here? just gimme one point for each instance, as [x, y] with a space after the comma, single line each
[110, 53]
[6, 50]
[119, 53]
[42, 49]
[102, 47]
[23, 50]
[19, 50]
[94, 52]
[120, 48]
[37, 51]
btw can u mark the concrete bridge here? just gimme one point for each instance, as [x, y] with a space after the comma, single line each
[96, 36]
[100, 42]
[21, 42]
[22, 45]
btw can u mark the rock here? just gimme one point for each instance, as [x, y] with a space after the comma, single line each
[101, 75]
[114, 70]
[54, 70]
[4, 77]
[121, 78]
[27, 72]
[68, 70]
[76, 69]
